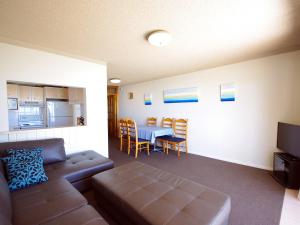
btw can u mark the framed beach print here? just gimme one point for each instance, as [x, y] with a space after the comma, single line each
[228, 92]
[148, 99]
[181, 95]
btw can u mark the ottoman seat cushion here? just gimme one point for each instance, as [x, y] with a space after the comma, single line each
[146, 195]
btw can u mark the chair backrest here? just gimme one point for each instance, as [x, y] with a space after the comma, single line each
[181, 128]
[167, 122]
[132, 130]
[123, 127]
[152, 121]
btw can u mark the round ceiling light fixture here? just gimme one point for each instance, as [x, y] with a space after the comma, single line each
[115, 80]
[160, 38]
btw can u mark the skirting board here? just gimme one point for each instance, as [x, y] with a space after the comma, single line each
[232, 161]
[237, 162]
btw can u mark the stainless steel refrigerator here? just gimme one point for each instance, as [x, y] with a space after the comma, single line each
[59, 114]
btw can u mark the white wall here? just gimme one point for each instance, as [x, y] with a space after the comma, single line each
[243, 131]
[28, 65]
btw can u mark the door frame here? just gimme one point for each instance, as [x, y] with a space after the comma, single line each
[114, 91]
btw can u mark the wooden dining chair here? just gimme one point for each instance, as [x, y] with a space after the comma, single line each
[180, 138]
[152, 121]
[167, 123]
[134, 141]
[123, 133]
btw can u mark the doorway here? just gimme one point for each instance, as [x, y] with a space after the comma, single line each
[112, 106]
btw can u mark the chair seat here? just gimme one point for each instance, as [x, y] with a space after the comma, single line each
[165, 137]
[142, 140]
[175, 139]
[125, 137]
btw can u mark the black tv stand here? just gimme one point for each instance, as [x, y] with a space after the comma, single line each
[286, 170]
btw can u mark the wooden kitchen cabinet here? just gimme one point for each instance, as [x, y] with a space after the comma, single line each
[50, 92]
[31, 94]
[37, 94]
[62, 93]
[12, 90]
[24, 93]
[76, 95]
[56, 93]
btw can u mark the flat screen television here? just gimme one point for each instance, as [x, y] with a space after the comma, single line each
[288, 138]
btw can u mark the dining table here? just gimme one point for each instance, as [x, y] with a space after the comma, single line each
[150, 133]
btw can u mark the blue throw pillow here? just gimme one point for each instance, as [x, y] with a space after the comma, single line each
[24, 167]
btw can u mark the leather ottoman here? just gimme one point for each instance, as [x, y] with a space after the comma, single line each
[137, 193]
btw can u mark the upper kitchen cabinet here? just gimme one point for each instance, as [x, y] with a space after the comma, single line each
[63, 93]
[76, 95]
[56, 93]
[12, 91]
[37, 94]
[24, 93]
[30, 94]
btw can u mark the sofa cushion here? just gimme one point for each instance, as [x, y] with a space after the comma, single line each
[85, 215]
[2, 170]
[44, 202]
[5, 200]
[79, 166]
[141, 194]
[53, 149]
[4, 220]
[24, 168]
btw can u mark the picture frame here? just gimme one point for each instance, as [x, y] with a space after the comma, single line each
[181, 95]
[12, 103]
[130, 95]
[148, 99]
[228, 92]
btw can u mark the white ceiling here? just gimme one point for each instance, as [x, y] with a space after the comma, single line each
[206, 33]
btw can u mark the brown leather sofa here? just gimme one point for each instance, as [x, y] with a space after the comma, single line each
[138, 194]
[56, 202]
